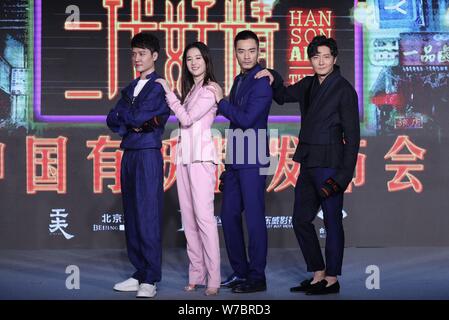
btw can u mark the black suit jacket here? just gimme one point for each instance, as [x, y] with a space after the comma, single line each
[330, 130]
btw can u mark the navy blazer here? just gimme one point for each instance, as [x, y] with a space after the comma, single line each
[330, 129]
[248, 113]
[130, 112]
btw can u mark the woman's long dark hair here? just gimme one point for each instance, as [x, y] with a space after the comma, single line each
[186, 77]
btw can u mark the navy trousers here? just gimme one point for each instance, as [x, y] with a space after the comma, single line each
[142, 194]
[244, 190]
[307, 203]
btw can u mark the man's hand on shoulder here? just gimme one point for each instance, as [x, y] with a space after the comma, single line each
[264, 73]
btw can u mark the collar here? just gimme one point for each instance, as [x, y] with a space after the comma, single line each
[244, 74]
[335, 73]
[130, 88]
[151, 76]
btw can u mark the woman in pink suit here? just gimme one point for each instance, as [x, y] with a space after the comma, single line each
[196, 165]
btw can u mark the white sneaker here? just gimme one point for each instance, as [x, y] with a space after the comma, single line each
[130, 284]
[146, 290]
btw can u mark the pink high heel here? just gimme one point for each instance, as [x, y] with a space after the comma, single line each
[211, 292]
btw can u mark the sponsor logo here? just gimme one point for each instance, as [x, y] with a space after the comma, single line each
[58, 223]
[110, 222]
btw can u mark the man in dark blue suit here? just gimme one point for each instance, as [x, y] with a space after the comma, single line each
[246, 156]
[139, 117]
[328, 146]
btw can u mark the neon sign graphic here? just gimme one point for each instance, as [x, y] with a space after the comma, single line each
[174, 28]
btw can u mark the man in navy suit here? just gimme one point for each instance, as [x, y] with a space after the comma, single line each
[329, 141]
[139, 117]
[246, 156]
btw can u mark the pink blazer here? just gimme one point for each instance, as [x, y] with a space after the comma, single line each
[196, 115]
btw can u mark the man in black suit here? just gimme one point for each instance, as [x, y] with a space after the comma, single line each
[328, 146]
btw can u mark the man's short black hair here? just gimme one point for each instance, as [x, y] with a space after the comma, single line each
[245, 35]
[145, 40]
[319, 41]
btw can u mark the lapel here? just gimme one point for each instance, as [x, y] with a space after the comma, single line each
[232, 93]
[233, 97]
[304, 104]
[191, 97]
[325, 87]
[128, 92]
[148, 86]
[247, 82]
[244, 86]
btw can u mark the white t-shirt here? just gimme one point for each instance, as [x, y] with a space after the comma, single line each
[139, 86]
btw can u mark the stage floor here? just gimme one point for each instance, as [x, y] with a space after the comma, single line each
[405, 273]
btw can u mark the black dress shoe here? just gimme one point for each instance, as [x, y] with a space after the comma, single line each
[232, 281]
[250, 286]
[303, 286]
[320, 288]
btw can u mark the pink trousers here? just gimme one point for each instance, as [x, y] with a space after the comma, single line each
[196, 184]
